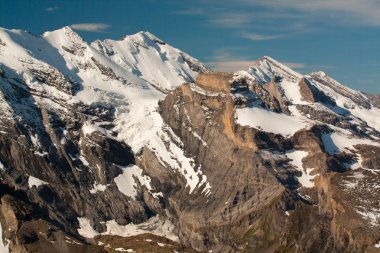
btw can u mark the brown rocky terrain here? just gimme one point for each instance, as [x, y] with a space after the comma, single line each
[261, 198]
[375, 98]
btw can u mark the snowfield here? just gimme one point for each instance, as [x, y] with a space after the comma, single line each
[166, 67]
[268, 121]
[154, 225]
[126, 182]
[343, 141]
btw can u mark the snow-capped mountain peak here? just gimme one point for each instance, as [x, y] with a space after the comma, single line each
[144, 37]
[267, 68]
[143, 51]
[63, 36]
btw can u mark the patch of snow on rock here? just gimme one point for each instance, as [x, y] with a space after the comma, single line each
[354, 180]
[306, 180]
[373, 216]
[84, 161]
[89, 128]
[154, 225]
[292, 92]
[126, 181]
[85, 228]
[172, 154]
[98, 187]
[34, 139]
[33, 181]
[122, 250]
[3, 246]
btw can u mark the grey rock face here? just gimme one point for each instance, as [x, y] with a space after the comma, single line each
[47, 143]
[244, 183]
[357, 98]
[251, 192]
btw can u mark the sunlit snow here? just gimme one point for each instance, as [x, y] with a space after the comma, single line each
[33, 181]
[269, 121]
[306, 180]
[154, 225]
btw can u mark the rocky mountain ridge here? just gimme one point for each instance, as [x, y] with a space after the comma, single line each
[106, 144]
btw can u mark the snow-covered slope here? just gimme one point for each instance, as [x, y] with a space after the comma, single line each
[152, 59]
[267, 69]
[126, 79]
[353, 102]
[275, 99]
[118, 94]
[315, 92]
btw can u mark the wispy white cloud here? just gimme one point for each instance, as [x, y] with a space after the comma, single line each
[52, 8]
[364, 12]
[259, 37]
[296, 16]
[224, 59]
[225, 54]
[218, 16]
[90, 27]
[229, 20]
[242, 17]
[191, 11]
[294, 65]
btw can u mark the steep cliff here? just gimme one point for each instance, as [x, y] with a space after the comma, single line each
[254, 185]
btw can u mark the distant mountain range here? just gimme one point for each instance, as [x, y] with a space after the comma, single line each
[135, 146]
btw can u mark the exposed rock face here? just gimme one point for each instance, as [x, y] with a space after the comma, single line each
[356, 97]
[27, 230]
[248, 92]
[305, 91]
[219, 82]
[54, 78]
[244, 193]
[311, 94]
[375, 98]
[194, 64]
[63, 163]
[276, 100]
[209, 114]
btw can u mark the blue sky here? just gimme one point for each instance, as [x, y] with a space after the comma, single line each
[340, 37]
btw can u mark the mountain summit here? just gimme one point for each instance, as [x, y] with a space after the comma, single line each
[135, 146]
